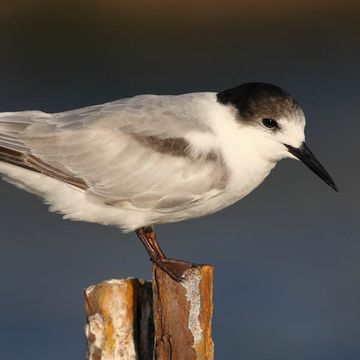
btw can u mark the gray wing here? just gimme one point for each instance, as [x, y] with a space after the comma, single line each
[130, 153]
[161, 116]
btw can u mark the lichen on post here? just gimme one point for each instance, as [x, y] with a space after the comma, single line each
[120, 324]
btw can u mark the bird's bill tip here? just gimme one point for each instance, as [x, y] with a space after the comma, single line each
[304, 154]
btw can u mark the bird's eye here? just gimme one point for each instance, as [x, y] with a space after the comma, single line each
[270, 123]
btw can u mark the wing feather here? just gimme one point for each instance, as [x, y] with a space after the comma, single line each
[130, 153]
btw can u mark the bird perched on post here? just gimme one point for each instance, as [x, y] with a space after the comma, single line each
[154, 159]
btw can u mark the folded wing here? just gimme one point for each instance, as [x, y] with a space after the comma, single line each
[129, 153]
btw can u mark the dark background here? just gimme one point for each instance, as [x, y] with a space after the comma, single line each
[286, 256]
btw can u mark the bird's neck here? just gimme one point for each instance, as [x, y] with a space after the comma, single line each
[248, 159]
[249, 156]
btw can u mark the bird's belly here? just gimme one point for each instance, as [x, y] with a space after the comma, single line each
[237, 188]
[76, 204]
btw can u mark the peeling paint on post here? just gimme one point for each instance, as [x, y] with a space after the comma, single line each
[120, 324]
[182, 314]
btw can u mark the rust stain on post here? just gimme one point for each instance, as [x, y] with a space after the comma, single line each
[120, 324]
[182, 314]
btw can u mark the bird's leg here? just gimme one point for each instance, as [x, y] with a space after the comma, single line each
[174, 268]
[148, 238]
[151, 235]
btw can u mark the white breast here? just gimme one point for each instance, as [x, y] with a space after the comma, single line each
[243, 152]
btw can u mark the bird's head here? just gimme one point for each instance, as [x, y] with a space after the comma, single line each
[277, 120]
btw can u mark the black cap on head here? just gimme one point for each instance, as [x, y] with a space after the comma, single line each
[259, 99]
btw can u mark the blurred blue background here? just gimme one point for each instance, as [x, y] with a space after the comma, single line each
[286, 257]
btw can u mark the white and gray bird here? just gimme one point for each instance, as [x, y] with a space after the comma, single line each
[154, 159]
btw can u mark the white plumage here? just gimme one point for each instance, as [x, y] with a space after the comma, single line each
[145, 160]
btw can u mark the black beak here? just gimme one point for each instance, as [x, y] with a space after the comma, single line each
[304, 154]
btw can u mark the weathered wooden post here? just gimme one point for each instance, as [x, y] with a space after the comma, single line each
[167, 320]
[182, 314]
[120, 324]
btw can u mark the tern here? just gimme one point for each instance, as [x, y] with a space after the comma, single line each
[154, 159]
